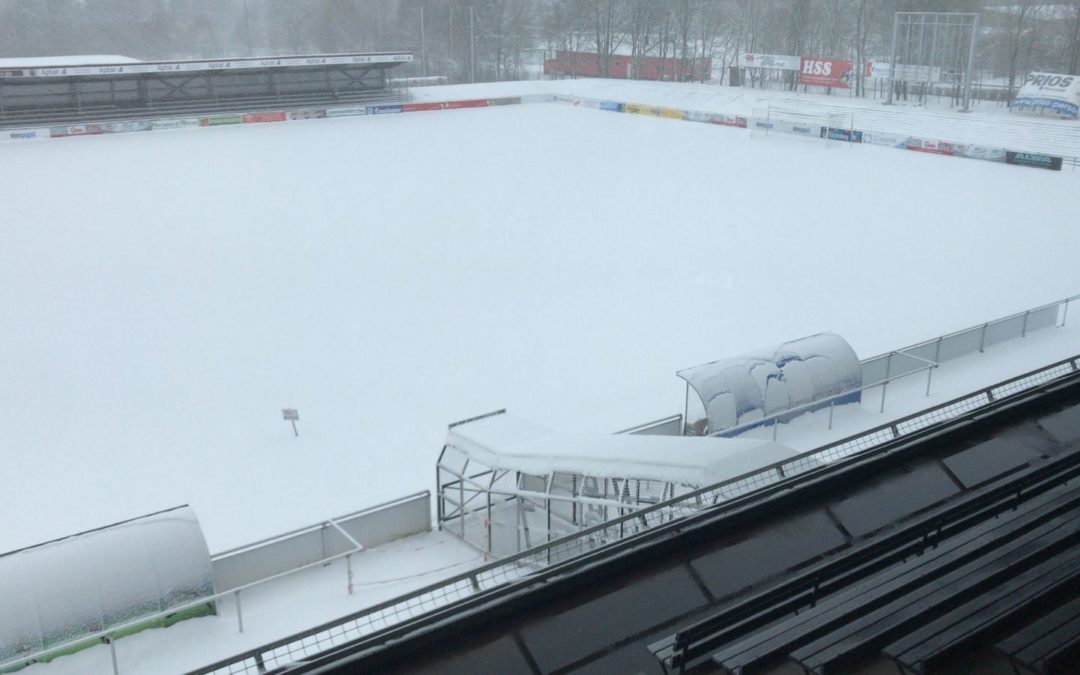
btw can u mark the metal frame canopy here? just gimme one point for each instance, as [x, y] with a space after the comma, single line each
[59, 591]
[732, 392]
[505, 484]
[925, 43]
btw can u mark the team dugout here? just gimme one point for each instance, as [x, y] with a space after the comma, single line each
[42, 96]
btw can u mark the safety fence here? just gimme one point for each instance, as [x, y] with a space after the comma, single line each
[778, 121]
[723, 496]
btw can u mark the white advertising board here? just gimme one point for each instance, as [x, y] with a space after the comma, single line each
[1051, 93]
[774, 61]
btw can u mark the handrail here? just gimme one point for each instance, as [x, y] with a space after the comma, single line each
[903, 351]
[819, 403]
[317, 526]
[514, 566]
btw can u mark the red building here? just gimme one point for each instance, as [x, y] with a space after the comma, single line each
[621, 66]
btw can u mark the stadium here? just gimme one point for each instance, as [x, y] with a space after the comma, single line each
[242, 297]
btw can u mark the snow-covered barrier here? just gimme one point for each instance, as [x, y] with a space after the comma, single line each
[740, 390]
[794, 126]
[59, 591]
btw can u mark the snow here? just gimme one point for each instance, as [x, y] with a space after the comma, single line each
[279, 609]
[988, 125]
[511, 443]
[165, 295]
[47, 61]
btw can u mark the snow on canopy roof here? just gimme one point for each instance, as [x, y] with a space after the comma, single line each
[47, 61]
[775, 379]
[512, 443]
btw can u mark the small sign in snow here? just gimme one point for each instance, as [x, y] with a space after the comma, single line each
[291, 415]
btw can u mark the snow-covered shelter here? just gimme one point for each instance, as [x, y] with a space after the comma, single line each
[61, 591]
[506, 484]
[741, 390]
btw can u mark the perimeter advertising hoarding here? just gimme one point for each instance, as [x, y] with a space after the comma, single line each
[818, 72]
[1051, 93]
[772, 61]
[888, 140]
[24, 134]
[254, 118]
[1036, 160]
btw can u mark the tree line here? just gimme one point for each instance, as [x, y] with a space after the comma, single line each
[509, 39]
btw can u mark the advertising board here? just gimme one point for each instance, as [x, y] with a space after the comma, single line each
[888, 140]
[383, 109]
[306, 114]
[1033, 159]
[979, 152]
[1049, 93]
[24, 134]
[176, 123]
[772, 61]
[930, 146]
[819, 72]
[350, 111]
[259, 117]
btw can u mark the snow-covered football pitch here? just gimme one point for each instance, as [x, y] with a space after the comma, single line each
[163, 296]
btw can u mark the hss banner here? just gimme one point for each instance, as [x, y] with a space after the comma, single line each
[815, 72]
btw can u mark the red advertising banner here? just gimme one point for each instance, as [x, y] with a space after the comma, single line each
[420, 107]
[815, 72]
[253, 118]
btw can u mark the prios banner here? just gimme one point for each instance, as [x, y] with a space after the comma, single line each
[817, 72]
[1050, 93]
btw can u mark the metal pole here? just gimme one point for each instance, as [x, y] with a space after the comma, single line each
[775, 424]
[489, 523]
[247, 27]
[472, 45]
[239, 612]
[112, 653]
[982, 338]
[1023, 329]
[1065, 314]
[892, 63]
[423, 44]
[970, 64]
[885, 385]
[348, 572]
[831, 402]
[929, 375]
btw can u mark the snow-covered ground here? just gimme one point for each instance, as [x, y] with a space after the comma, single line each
[987, 125]
[164, 295]
[278, 609]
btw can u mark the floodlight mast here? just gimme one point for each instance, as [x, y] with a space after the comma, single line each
[954, 25]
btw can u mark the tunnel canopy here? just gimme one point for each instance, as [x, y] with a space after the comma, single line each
[738, 390]
[508, 442]
[61, 590]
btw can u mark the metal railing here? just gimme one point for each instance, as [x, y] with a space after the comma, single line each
[352, 546]
[922, 357]
[727, 494]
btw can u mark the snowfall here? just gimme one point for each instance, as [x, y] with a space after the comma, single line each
[164, 295]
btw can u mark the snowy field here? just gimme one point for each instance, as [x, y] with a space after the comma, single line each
[988, 124]
[164, 295]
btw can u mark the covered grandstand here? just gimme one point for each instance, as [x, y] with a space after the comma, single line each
[33, 95]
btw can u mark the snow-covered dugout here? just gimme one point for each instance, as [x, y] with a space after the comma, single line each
[506, 484]
[61, 591]
[737, 391]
